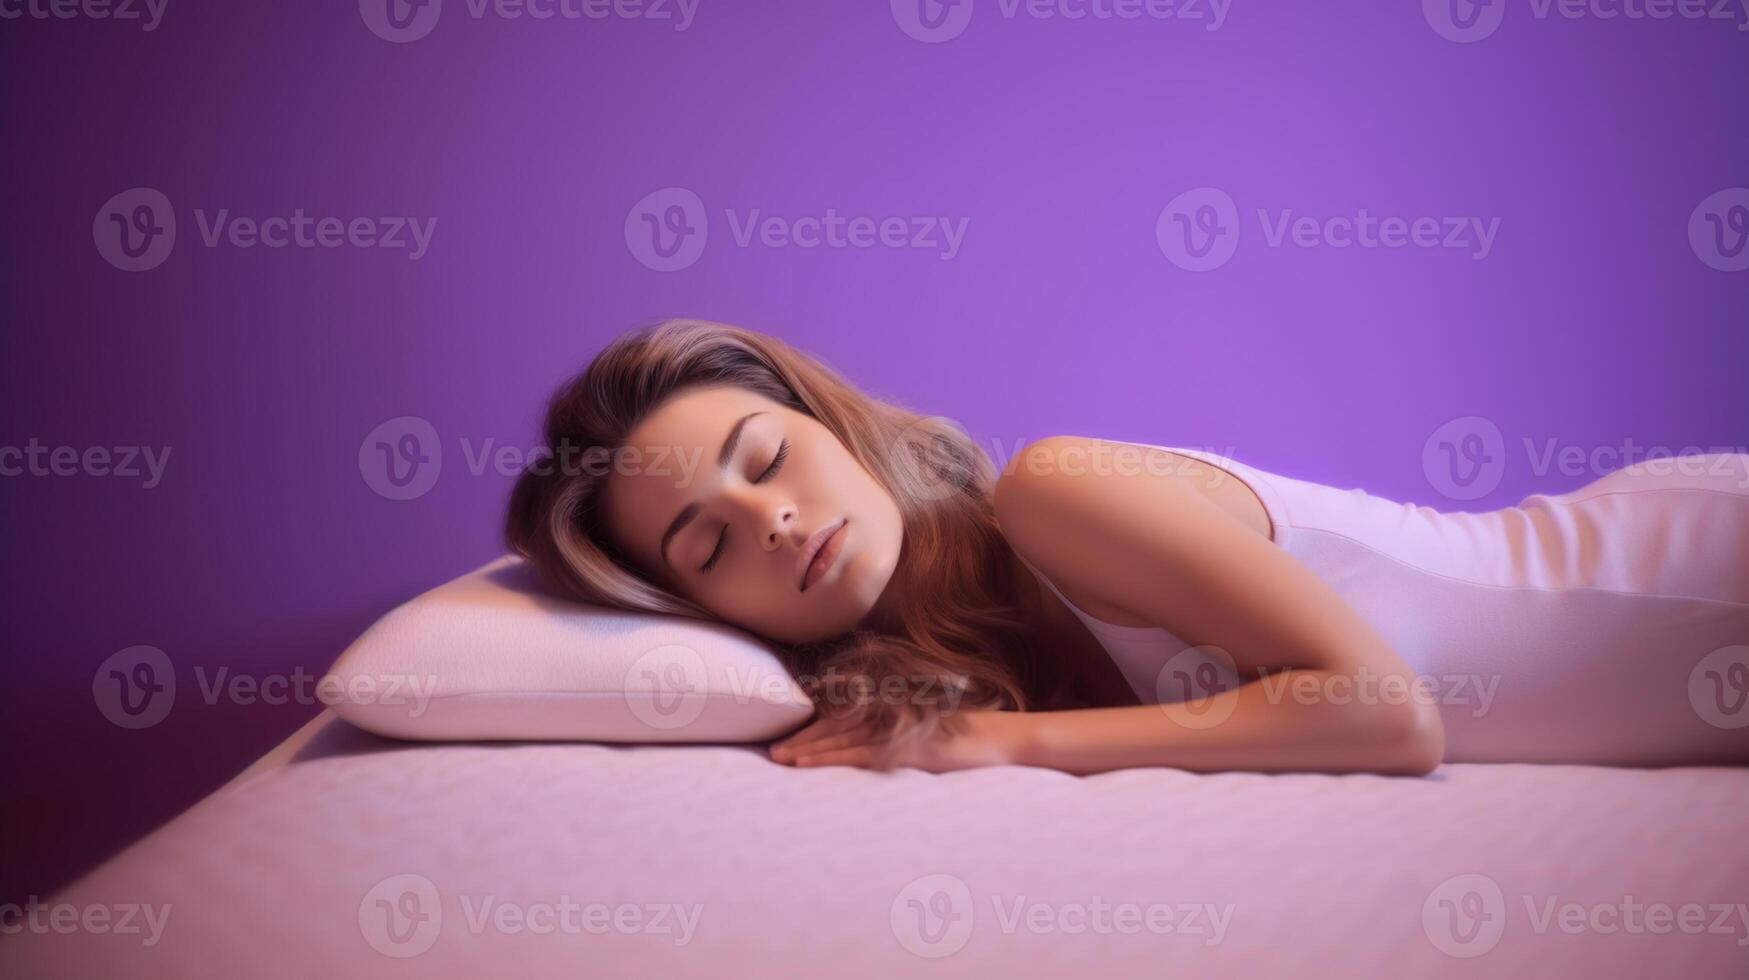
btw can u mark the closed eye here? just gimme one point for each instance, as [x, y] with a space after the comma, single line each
[777, 462]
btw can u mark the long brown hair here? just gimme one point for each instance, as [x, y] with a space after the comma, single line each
[968, 614]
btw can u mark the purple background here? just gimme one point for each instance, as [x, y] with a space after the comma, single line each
[265, 550]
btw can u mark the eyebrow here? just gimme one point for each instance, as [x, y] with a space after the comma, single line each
[691, 510]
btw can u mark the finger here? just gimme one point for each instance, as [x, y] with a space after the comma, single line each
[859, 755]
[815, 746]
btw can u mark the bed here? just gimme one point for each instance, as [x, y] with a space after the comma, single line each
[344, 854]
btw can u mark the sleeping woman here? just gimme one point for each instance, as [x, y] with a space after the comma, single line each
[1098, 605]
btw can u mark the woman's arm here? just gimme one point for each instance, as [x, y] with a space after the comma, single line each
[1325, 691]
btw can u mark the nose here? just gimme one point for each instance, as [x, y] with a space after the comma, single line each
[770, 513]
[773, 517]
[779, 523]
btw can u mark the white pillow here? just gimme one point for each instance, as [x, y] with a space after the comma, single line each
[493, 655]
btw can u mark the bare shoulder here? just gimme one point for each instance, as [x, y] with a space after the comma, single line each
[1082, 509]
[1064, 468]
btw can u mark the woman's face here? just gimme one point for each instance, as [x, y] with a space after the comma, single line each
[733, 537]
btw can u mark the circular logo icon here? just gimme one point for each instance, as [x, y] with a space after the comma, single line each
[135, 230]
[932, 21]
[1718, 687]
[1718, 230]
[1199, 229]
[401, 915]
[401, 458]
[135, 688]
[932, 916]
[1186, 685]
[1465, 458]
[667, 229]
[1464, 915]
[400, 21]
[925, 456]
[667, 686]
[1464, 21]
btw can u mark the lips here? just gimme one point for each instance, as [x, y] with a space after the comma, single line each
[811, 550]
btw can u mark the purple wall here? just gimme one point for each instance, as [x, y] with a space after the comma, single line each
[1599, 311]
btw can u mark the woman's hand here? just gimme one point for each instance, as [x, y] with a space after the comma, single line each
[988, 737]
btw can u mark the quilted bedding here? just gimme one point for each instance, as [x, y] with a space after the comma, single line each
[345, 855]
